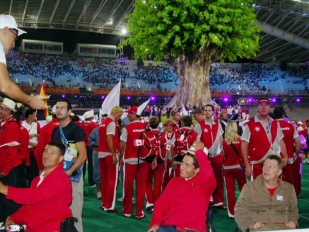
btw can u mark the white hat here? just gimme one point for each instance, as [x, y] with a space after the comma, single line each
[9, 21]
[8, 103]
[192, 150]
[54, 111]
[88, 114]
[49, 118]
[300, 123]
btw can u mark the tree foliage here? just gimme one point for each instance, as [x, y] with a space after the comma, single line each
[171, 27]
[191, 34]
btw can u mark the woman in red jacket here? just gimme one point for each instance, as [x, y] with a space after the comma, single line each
[231, 165]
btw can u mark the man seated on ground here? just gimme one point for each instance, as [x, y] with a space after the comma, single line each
[184, 202]
[267, 203]
[46, 203]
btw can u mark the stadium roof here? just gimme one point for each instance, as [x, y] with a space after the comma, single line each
[284, 22]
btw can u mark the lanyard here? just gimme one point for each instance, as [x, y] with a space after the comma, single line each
[63, 138]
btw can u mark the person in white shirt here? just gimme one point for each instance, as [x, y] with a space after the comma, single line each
[33, 128]
[8, 35]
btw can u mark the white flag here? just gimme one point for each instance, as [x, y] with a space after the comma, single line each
[142, 107]
[112, 99]
[184, 111]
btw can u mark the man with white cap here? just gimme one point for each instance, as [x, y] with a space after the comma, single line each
[10, 160]
[261, 137]
[8, 35]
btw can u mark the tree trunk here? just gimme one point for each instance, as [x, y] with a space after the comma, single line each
[193, 81]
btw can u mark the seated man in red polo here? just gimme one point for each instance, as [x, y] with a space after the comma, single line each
[46, 203]
[184, 203]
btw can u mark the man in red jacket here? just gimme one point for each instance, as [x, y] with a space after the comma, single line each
[292, 142]
[261, 137]
[133, 167]
[45, 137]
[184, 203]
[108, 152]
[10, 159]
[210, 133]
[88, 125]
[46, 203]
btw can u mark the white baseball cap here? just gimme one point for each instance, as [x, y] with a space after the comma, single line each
[9, 21]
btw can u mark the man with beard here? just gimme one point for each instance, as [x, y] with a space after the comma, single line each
[73, 138]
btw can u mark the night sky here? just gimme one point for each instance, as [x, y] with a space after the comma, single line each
[71, 38]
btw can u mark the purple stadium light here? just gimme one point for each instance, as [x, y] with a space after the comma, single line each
[102, 97]
[152, 98]
[250, 100]
[274, 100]
[128, 98]
[63, 95]
[225, 99]
[298, 99]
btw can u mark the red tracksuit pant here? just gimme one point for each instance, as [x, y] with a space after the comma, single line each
[230, 176]
[109, 179]
[139, 173]
[154, 182]
[216, 164]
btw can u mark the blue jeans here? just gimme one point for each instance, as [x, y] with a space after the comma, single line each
[96, 168]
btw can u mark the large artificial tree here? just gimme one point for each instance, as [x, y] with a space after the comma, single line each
[191, 35]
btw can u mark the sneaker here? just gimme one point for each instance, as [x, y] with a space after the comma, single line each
[220, 206]
[150, 209]
[99, 195]
[111, 210]
[126, 215]
[140, 217]
[108, 210]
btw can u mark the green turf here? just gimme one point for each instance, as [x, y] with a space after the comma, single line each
[94, 219]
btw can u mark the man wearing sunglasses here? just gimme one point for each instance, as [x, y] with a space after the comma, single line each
[8, 35]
